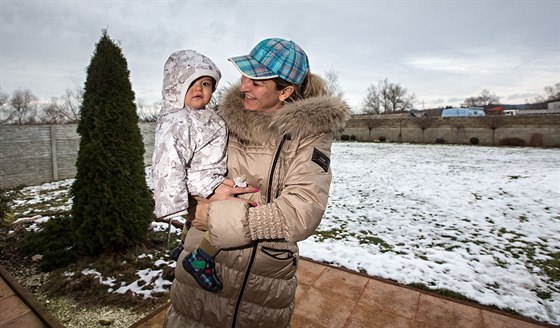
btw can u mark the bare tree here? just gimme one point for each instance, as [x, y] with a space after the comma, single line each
[387, 97]
[488, 98]
[3, 98]
[398, 99]
[147, 113]
[371, 123]
[72, 101]
[65, 109]
[52, 112]
[5, 113]
[331, 77]
[494, 122]
[485, 98]
[383, 87]
[424, 123]
[470, 102]
[371, 102]
[24, 108]
[552, 92]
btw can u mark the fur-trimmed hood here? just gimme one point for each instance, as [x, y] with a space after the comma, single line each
[299, 119]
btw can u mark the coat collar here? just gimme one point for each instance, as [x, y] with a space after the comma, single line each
[299, 119]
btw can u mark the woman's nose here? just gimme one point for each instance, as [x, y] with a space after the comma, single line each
[244, 87]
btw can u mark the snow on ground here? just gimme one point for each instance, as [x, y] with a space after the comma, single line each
[474, 220]
[479, 221]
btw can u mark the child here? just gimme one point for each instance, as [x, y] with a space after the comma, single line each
[189, 151]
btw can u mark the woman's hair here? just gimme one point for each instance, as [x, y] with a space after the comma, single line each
[312, 86]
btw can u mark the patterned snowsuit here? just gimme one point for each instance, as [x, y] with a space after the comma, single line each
[190, 144]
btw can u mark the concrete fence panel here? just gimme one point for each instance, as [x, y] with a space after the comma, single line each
[34, 154]
[539, 131]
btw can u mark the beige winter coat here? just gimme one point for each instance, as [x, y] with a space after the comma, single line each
[287, 157]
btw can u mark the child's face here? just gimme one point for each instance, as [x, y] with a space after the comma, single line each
[199, 93]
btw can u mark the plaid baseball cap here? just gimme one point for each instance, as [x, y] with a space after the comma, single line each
[272, 58]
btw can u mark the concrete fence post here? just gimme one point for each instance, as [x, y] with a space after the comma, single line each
[53, 152]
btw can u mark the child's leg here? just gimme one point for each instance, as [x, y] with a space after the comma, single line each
[200, 264]
[186, 227]
[207, 247]
[177, 251]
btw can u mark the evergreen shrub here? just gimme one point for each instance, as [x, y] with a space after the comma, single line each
[55, 242]
[112, 204]
[474, 141]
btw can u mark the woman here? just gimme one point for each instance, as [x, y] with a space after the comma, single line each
[281, 122]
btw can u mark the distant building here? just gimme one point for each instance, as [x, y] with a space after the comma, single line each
[539, 112]
[463, 112]
[554, 105]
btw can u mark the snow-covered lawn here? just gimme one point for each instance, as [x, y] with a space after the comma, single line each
[480, 221]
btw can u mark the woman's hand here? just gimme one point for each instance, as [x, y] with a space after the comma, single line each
[227, 190]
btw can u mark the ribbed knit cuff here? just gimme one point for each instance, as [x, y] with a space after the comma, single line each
[266, 222]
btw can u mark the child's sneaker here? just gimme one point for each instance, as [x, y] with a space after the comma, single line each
[201, 266]
[176, 252]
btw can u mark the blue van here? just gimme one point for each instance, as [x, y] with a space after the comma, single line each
[461, 112]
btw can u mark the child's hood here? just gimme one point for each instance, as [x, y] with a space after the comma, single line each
[182, 68]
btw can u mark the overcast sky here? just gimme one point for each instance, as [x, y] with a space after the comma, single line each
[442, 51]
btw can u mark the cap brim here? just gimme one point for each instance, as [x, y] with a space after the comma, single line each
[251, 68]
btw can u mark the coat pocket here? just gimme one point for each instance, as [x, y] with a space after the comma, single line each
[276, 262]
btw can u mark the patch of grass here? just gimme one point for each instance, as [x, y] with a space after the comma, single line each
[515, 234]
[449, 237]
[422, 257]
[551, 267]
[443, 292]
[40, 201]
[334, 233]
[451, 247]
[368, 240]
[544, 295]
[362, 270]
[501, 263]
[455, 295]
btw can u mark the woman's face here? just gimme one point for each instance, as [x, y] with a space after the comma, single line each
[261, 95]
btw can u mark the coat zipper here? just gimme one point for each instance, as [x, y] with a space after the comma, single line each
[254, 251]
